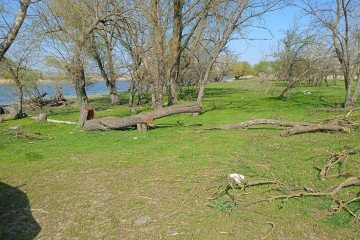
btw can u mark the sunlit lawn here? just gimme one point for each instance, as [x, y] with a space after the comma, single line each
[91, 185]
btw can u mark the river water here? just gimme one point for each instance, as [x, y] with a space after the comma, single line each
[8, 93]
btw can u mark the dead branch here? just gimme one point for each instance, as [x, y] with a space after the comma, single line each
[313, 128]
[295, 127]
[250, 123]
[353, 181]
[335, 159]
[297, 193]
[348, 182]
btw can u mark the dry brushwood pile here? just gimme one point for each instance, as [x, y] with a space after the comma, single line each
[243, 194]
[291, 128]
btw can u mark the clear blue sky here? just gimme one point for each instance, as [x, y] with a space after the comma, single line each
[257, 50]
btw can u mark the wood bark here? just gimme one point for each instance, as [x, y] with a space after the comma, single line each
[14, 29]
[159, 51]
[139, 120]
[175, 51]
[76, 70]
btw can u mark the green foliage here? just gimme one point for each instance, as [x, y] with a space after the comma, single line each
[241, 69]
[26, 75]
[265, 68]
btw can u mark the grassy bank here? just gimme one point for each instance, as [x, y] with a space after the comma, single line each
[93, 185]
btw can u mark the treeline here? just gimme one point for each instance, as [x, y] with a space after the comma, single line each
[162, 45]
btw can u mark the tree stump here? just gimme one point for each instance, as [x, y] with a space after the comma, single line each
[142, 127]
[90, 113]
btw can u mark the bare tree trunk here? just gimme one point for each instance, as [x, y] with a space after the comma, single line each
[326, 81]
[156, 95]
[114, 97]
[109, 78]
[76, 69]
[20, 93]
[140, 93]
[159, 49]
[357, 88]
[176, 52]
[348, 102]
[14, 30]
[132, 96]
[334, 79]
[284, 93]
[111, 83]
[205, 79]
[201, 87]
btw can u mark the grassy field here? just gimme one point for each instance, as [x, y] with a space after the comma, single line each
[159, 184]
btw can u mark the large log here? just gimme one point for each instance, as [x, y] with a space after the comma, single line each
[147, 118]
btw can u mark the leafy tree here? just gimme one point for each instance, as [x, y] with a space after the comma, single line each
[265, 68]
[241, 69]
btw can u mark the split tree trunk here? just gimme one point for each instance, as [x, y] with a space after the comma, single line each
[141, 119]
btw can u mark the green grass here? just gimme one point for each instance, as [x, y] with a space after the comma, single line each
[91, 185]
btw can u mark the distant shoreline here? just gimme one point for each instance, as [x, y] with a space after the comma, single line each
[4, 81]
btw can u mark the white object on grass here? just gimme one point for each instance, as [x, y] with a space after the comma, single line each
[236, 178]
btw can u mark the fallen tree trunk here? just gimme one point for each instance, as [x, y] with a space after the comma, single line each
[313, 128]
[141, 120]
[295, 127]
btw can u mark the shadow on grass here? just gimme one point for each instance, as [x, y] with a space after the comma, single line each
[175, 125]
[220, 92]
[191, 93]
[16, 220]
[304, 100]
